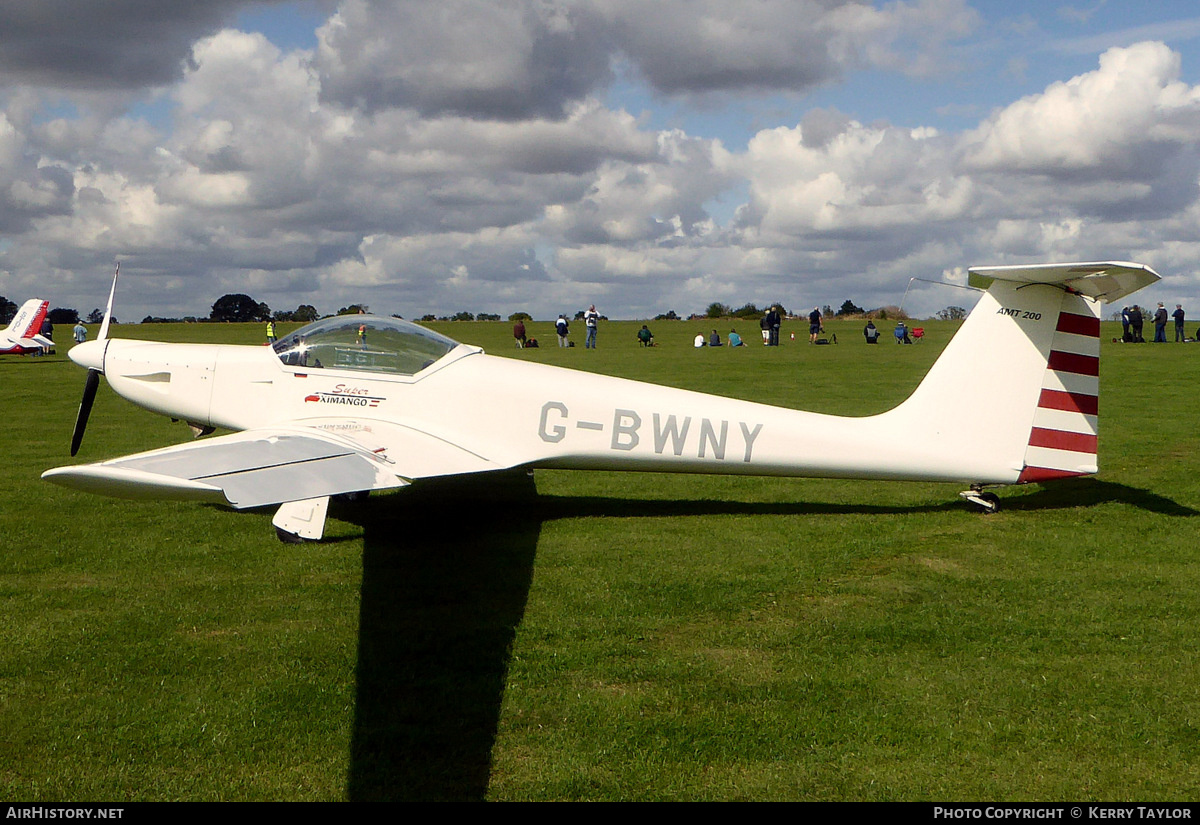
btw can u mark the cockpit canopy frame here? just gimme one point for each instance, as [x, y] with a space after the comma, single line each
[366, 343]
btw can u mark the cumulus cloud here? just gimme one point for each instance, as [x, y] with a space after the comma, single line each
[1119, 142]
[422, 166]
[705, 46]
[533, 59]
[1099, 119]
[104, 44]
[861, 178]
[465, 57]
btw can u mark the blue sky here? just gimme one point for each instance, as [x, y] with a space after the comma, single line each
[645, 155]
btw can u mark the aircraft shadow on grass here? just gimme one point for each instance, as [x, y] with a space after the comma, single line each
[446, 574]
[1089, 492]
[447, 568]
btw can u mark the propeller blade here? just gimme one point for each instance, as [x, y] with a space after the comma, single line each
[85, 409]
[108, 310]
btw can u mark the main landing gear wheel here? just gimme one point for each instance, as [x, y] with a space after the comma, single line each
[984, 502]
[289, 538]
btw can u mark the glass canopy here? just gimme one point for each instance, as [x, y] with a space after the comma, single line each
[370, 343]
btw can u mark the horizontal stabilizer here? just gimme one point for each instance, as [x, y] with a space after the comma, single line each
[1106, 281]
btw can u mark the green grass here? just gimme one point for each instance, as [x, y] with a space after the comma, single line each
[613, 636]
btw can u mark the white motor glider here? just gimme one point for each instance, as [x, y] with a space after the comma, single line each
[23, 335]
[359, 403]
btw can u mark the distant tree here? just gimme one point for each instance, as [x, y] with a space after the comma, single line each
[239, 308]
[717, 310]
[893, 313]
[827, 311]
[353, 309]
[63, 315]
[747, 311]
[850, 308]
[306, 313]
[7, 310]
[425, 319]
[96, 316]
[487, 316]
[462, 316]
[579, 315]
[951, 314]
[516, 316]
[669, 315]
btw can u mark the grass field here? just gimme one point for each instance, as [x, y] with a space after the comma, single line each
[610, 636]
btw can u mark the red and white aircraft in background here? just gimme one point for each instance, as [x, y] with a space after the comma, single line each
[358, 403]
[24, 334]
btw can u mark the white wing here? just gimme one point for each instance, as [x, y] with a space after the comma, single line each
[247, 469]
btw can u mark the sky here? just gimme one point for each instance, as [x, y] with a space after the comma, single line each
[644, 156]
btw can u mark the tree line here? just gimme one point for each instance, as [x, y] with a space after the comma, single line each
[241, 308]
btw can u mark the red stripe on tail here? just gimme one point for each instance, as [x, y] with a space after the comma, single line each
[1078, 324]
[1069, 401]
[1071, 362]
[1062, 440]
[1046, 474]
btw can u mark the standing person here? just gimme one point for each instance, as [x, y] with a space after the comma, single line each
[563, 329]
[814, 325]
[362, 336]
[773, 324]
[1126, 337]
[80, 332]
[519, 333]
[48, 333]
[1178, 316]
[1135, 324]
[270, 332]
[591, 320]
[1160, 324]
[765, 326]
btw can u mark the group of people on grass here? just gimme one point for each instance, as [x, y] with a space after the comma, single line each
[1132, 321]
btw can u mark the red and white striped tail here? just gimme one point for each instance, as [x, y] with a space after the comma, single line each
[1063, 438]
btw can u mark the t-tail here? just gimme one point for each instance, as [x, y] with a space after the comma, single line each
[1015, 396]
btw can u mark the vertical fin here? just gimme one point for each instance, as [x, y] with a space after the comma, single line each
[1014, 396]
[28, 320]
[972, 414]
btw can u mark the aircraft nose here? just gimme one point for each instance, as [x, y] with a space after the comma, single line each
[89, 354]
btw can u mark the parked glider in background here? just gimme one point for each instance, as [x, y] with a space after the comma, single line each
[24, 334]
[1012, 399]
